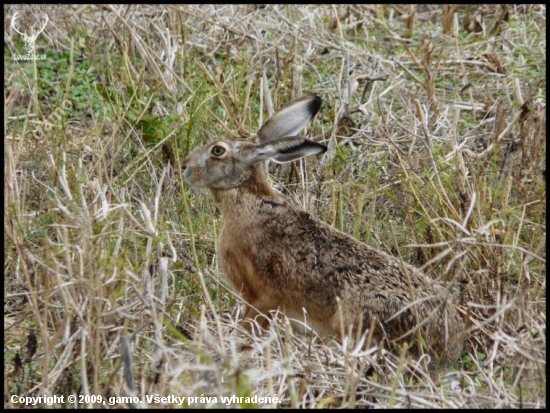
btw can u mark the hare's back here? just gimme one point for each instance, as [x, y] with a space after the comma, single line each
[311, 250]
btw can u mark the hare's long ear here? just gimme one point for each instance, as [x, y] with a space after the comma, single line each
[284, 150]
[306, 148]
[290, 120]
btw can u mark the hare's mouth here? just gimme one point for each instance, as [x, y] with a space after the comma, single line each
[192, 176]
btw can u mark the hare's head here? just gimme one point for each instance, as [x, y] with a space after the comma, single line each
[228, 164]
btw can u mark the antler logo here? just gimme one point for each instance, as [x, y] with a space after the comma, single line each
[28, 39]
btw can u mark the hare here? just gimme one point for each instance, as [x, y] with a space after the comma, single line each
[278, 256]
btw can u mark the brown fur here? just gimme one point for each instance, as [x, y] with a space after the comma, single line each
[280, 257]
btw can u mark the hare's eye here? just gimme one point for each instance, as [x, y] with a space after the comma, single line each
[218, 150]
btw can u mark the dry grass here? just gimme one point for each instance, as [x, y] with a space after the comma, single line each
[435, 119]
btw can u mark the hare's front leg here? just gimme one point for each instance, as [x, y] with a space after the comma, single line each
[258, 313]
[240, 270]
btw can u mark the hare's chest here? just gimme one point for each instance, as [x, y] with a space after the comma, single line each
[237, 264]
